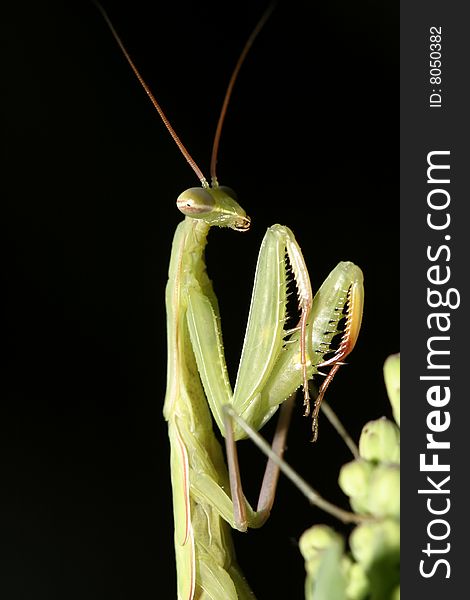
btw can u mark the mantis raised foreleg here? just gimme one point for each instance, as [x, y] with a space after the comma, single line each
[275, 362]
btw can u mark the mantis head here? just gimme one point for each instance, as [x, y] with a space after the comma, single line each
[214, 205]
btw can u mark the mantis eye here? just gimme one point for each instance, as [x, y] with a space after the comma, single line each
[195, 201]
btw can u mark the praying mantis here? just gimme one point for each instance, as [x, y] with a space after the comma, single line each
[276, 361]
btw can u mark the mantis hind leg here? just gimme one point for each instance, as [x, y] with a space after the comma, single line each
[208, 487]
[271, 473]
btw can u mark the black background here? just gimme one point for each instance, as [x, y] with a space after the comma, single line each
[311, 141]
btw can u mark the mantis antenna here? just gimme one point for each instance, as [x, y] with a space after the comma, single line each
[228, 93]
[241, 59]
[166, 122]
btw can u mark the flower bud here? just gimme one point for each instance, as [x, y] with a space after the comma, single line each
[384, 491]
[371, 542]
[357, 587]
[314, 542]
[354, 480]
[392, 383]
[380, 441]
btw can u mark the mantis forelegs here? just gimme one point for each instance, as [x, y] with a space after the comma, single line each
[261, 384]
[264, 338]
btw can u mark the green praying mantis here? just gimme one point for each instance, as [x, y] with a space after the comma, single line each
[276, 361]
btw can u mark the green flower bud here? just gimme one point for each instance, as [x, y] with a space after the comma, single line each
[314, 542]
[354, 480]
[384, 491]
[380, 441]
[360, 505]
[357, 587]
[392, 383]
[371, 542]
